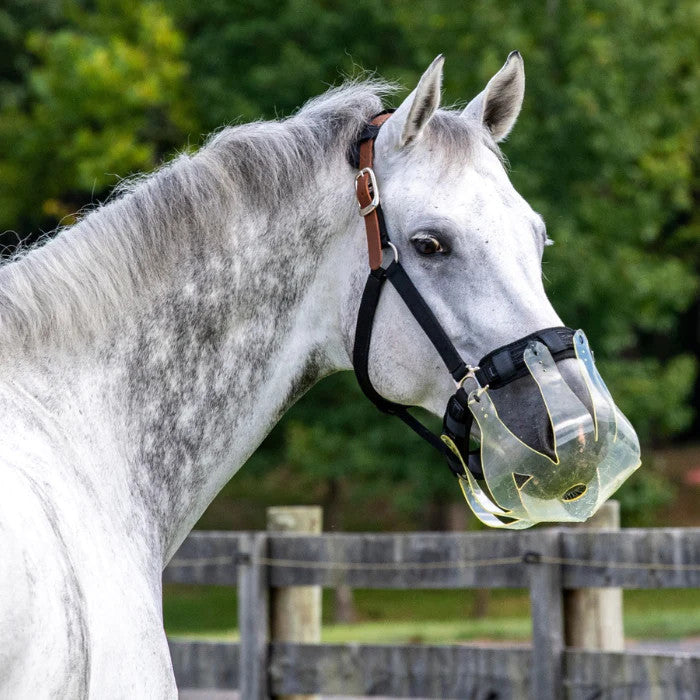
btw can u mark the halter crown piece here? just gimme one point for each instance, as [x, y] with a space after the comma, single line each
[506, 483]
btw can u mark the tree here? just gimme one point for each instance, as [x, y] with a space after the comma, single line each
[607, 148]
[104, 95]
[256, 58]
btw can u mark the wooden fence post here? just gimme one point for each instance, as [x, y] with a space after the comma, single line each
[546, 605]
[593, 616]
[295, 611]
[253, 617]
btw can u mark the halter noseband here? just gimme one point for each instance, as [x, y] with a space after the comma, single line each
[498, 368]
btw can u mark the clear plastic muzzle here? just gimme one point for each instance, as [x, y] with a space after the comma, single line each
[594, 453]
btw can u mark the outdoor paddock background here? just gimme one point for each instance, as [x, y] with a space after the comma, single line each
[607, 148]
[577, 648]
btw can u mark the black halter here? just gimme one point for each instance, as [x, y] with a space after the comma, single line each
[495, 370]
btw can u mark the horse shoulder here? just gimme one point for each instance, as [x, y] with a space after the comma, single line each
[40, 598]
[69, 615]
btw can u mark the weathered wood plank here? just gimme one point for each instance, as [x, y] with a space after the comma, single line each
[402, 551]
[254, 618]
[440, 671]
[206, 558]
[669, 547]
[674, 547]
[547, 608]
[200, 664]
[409, 671]
[631, 676]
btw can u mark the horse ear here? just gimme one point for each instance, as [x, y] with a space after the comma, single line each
[498, 106]
[408, 121]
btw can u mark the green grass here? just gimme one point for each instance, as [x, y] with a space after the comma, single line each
[662, 614]
[430, 632]
[197, 610]
[430, 616]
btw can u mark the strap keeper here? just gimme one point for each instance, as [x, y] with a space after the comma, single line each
[504, 365]
[551, 338]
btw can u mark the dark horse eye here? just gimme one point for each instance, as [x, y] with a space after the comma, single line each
[427, 245]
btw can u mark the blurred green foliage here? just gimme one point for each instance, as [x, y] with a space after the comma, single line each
[256, 58]
[103, 93]
[607, 149]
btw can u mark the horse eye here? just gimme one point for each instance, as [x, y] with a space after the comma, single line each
[427, 245]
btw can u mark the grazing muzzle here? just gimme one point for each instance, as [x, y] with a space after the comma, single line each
[507, 483]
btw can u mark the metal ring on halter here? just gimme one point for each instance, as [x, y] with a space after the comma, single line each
[386, 264]
[469, 375]
[393, 248]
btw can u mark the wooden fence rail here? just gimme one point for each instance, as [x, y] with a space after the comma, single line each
[630, 558]
[430, 671]
[545, 561]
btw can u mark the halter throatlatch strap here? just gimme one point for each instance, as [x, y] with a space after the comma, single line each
[360, 355]
[496, 369]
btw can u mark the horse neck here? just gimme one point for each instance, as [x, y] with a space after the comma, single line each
[237, 337]
[182, 390]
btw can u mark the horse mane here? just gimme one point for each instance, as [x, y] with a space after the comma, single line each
[69, 285]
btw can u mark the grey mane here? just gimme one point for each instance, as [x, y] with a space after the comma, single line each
[69, 287]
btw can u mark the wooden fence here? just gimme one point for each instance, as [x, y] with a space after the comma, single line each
[547, 562]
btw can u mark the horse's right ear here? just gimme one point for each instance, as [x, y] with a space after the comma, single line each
[408, 121]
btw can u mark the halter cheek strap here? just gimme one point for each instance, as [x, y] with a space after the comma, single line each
[378, 242]
[495, 370]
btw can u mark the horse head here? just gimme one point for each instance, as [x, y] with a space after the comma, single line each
[472, 247]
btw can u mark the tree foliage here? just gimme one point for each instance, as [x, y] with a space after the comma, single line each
[606, 149]
[103, 96]
[256, 58]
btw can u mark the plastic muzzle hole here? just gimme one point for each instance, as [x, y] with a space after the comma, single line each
[574, 492]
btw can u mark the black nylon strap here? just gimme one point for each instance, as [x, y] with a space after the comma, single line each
[424, 315]
[457, 425]
[360, 360]
[363, 338]
[370, 131]
[505, 364]
[424, 432]
[383, 235]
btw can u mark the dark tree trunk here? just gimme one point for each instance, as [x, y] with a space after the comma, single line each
[343, 599]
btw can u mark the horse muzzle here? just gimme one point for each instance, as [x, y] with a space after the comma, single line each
[509, 484]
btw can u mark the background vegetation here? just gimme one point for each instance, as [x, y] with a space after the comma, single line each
[430, 616]
[607, 149]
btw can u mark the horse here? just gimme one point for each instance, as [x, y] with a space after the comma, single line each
[149, 348]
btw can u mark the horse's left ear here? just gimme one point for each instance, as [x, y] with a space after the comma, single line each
[499, 104]
[408, 121]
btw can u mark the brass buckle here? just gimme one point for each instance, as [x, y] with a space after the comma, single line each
[374, 189]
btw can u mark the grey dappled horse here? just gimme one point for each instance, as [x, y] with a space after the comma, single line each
[147, 350]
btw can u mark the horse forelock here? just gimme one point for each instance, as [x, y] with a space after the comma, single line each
[458, 138]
